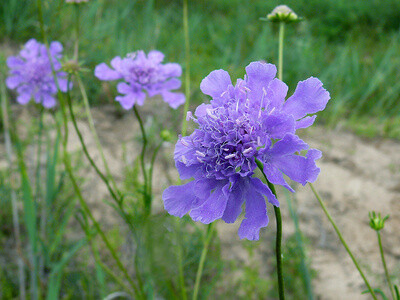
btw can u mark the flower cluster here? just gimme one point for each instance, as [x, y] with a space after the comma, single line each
[32, 76]
[244, 122]
[140, 74]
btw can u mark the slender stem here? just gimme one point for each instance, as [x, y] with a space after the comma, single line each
[187, 65]
[210, 231]
[153, 159]
[179, 256]
[85, 150]
[384, 265]
[278, 242]
[343, 241]
[147, 200]
[76, 49]
[82, 202]
[280, 53]
[15, 216]
[93, 129]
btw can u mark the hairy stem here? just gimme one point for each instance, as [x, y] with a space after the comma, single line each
[339, 234]
[280, 52]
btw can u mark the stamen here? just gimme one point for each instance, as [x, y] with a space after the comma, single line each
[184, 159]
[247, 150]
[230, 156]
[272, 110]
[199, 159]
[209, 112]
[200, 153]
[184, 143]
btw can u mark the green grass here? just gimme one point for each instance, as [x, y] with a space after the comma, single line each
[352, 46]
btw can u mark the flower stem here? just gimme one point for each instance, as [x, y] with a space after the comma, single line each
[147, 199]
[153, 160]
[187, 65]
[14, 204]
[94, 132]
[280, 52]
[278, 242]
[210, 231]
[384, 265]
[343, 241]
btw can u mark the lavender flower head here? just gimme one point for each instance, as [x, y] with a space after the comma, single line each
[244, 122]
[141, 74]
[31, 74]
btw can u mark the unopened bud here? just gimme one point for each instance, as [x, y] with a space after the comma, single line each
[166, 135]
[376, 221]
[282, 13]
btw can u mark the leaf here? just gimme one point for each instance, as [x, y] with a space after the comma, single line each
[378, 291]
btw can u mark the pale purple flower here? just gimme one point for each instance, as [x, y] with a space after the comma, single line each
[248, 121]
[31, 74]
[141, 73]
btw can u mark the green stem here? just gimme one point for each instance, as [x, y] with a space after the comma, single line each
[15, 217]
[76, 49]
[147, 200]
[94, 132]
[187, 65]
[278, 242]
[179, 257]
[280, 53]
[210, 231]
[343, 241]
[153, 159]
[385, 266]
[85, 150]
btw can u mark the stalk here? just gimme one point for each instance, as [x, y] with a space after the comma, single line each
[210, 231]
[187, 65]
[339, 234]
[15, 216]
[278, 242]
[147, 200]
[384, 265]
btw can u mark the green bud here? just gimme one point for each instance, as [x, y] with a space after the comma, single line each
[376, 221]
[71, 66]
[282, 13]
[166, 135]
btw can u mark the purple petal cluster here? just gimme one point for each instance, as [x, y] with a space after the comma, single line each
[244, 122]
[143, 73]
[32, 76]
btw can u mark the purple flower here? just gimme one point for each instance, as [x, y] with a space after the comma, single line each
[31, 74]
[140, 74]
[244, 122]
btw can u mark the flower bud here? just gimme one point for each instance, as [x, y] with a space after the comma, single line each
[76, 1]
[282, 13]
[166, 135]
[376, 221]
[71, 66]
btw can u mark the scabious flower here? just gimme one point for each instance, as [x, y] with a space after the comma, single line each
[143, 73]
[244, 122]
[31, 74]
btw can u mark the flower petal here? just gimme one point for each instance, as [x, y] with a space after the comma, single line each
[299, 168]
[216, 83]
[234, 204]
[256, 215]
[104, 72]
[156, 56]
[259, 75]
[288, 145]
[279, 124]
[172, 69]
[275, 176]
[178, 200]
[276, 93]
[308, 98]
[173, 99]
[13, 81]
[213, 208]
[305, 122]
[263, 189]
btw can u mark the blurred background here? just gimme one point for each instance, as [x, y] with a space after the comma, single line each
[352, 46]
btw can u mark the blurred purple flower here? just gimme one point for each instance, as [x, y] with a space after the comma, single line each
[31, 74]
[245, 122]
[140, 74]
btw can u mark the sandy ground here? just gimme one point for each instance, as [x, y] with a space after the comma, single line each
[357, 176]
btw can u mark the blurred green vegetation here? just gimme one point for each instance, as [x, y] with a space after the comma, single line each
[352, 46]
